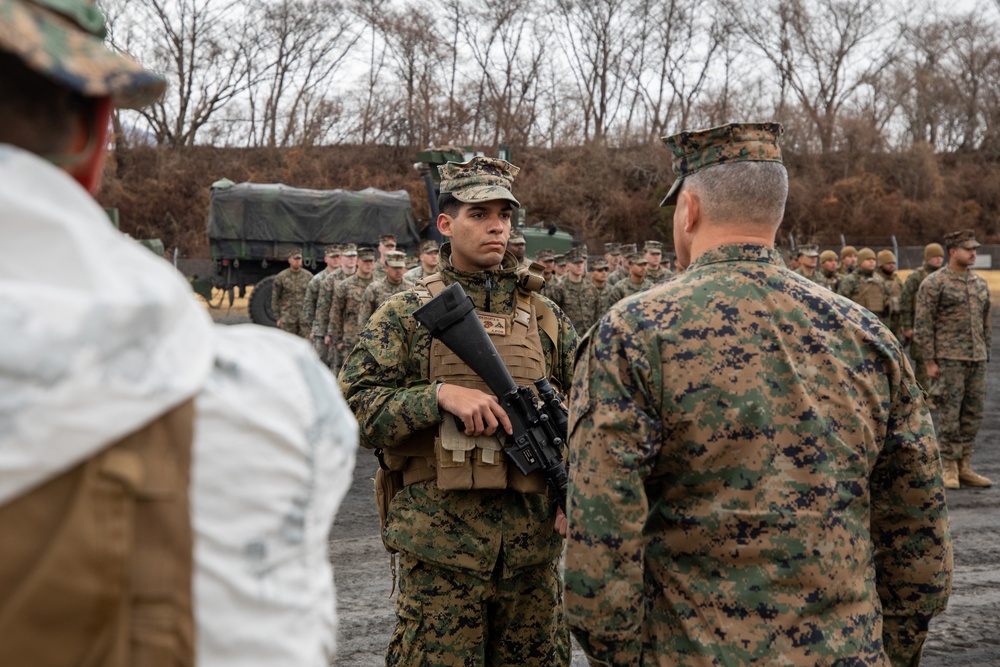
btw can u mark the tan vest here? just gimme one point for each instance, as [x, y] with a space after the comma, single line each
[457, 461]
[95, 564]
[872, 295]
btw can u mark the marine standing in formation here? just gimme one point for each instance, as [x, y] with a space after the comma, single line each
[598, 267]
[288, 293]
[428, 256]
[622, 272]
[342, 331]
[754, 477]
[575, 293]
[808, 257]
[635, 282]
[479, 577]
[656, 273]
[828, 276]
[863, 287]
[953, 332]
[380, 290]
[848, 260]
[933, 259]
[331, 256]
[886, 261]
[321, 322]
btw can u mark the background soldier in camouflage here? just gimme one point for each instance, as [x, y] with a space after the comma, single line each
[864, 287]
[598, 267]
[380, 290]
[386, 244]
[952, 329]
[613, 255]
[635, 282]
[331, 255]
[656, 273]
[428, 263]
[753, 472]
[547, 258]
[933, 259]
[288, 294]
[479, 583]
[561, 263]
[324, 303]
[342, 331]
[516, 246]
[886, 261]
[848, 260]
[828, 276]
[808, 256]
[622, 272]
[575, 292]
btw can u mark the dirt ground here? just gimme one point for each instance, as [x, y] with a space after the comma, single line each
[966, 635]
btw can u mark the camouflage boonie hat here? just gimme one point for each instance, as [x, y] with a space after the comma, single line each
[885, 257]
[848, 251]
[332, 251]
[395, 260]
[736, 142]
[295, 253]
[809, 250]
[827, 255]
[653, 246]
[637, 258]
[933, 250]
[516, 238]
[965, 238]
[613, 248]
[428, 246]
[349, 250]
[366, 254]
[865, 253]
[597, 262]
[63, 40]
[478, 180]
[386, 239]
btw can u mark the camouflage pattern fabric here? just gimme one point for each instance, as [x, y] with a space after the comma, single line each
[478, 180]
[866, 289]
[445, 629]
[413, 275]
[621, 273]
[311, 299]
[814, 276]
[754, 478]
[344, 327]
[908, 308]
[660, 275]
[626, 287]
[578, 300]
[374, 296]
[385, 381]
[960, 393]
[892, 317]
[287, 296]
[604, 301]
[829, 280]
[952, 319]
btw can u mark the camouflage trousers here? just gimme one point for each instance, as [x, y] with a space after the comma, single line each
[960, 393]
[448, 618]
[920, 368]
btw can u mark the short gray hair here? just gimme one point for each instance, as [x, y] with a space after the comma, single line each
[750, 193]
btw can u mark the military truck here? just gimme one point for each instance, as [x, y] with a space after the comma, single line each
[536, 236]
[253, 226]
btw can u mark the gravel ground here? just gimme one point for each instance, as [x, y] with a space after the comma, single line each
[966, 635]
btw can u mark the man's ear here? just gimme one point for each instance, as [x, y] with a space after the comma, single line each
[444, 223]
[691, 211]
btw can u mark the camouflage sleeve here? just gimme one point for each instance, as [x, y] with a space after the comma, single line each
[384, 378]
[367, 305]
[309, 303]
[614, 296]
[614, 437]
[909, 524]
[848, 286]
[323, 303]
[277, 292]
[908, 299]
[923, 318]
[335, 329]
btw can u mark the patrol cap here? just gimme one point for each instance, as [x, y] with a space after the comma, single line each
[332, 251]
[809, 250]
[596, 262]
[516, 238]
[578, 254]
[613, 248]
[349, 250]
[885, 257]
[848, 251]
[628, 249]
[366, 255]
[545, 255]
[866, 253]
[428, 247]
[395, 260]
[735, 142]
[827, 255]
[933, 250]
[637, 258]
[560, 259]
[387, 239]
[63, 40]
[965, 238]
[478, 180]
[295, 253]
[654, 247]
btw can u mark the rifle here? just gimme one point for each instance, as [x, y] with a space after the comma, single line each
[539, 422]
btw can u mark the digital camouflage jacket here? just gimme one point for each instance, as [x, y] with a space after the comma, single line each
[953, 317]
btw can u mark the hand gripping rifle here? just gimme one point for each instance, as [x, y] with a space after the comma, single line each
[539, 422]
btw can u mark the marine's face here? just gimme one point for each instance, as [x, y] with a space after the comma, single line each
[478, 234]
[295, 263]
[613, 261]
[638, 270]
[653, 258]
[429, 259]
[365, 267]
[577, 269]
[349, 263]
[394, 274]
[868, 264]
[332, 261]
[808, 261]
[936, 262]
[964, 256]
[830, 265]
[889, 268]
[599, 276]
[850, 260]
[517, 249]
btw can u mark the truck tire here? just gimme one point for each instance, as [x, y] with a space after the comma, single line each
[260, 303]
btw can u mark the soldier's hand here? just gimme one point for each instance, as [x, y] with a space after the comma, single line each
[278, 323]
[933, 370]
[907, 334]
[312, 337]
[340, 346]
[326, 339]
[480, 412]
[562, 523]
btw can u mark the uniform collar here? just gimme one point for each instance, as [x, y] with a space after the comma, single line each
[743, 252]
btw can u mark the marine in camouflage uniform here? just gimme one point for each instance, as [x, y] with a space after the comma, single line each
[848, 260]
[886, 261]
[428, 263]
[753, 472]
[865, 288]
[288, 293]
[933, 259]
[634, 283]
[344, 328]
[808, 258]
[479, 581]
[622, 272]
[953, 331]
[331, 255]
[321, 323]
[656, 273]
[598, 267]
[575, 293]
[380, 290]
[828, 276]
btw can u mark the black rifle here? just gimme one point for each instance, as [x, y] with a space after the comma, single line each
[539, 422]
